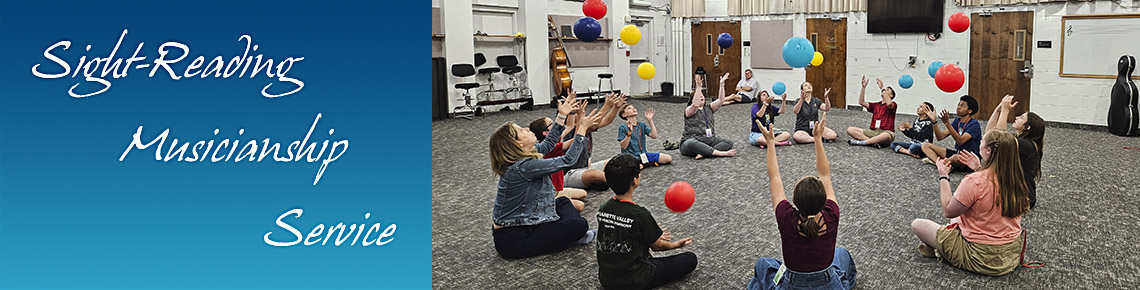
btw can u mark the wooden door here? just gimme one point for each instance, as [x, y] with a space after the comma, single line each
[999, 49]
[829, 36]
[716, 61]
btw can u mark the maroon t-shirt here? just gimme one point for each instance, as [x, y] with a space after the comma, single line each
[803, 254]
[885, 115]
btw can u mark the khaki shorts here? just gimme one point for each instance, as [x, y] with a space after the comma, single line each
[871, 133]
[573, 177]
[992, 260]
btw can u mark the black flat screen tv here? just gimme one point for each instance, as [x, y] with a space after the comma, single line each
[905, 16]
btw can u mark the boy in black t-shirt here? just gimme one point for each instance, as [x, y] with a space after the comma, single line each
[626, 233]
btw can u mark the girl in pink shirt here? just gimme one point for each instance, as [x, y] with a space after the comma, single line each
[984, 233]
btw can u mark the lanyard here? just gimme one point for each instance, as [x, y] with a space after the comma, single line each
[641, 142]
[960, 127]
[706, 116]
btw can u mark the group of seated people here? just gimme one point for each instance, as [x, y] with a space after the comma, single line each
[965, 130]
[537, 206]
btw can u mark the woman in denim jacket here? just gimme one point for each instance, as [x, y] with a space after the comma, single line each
[528, 220]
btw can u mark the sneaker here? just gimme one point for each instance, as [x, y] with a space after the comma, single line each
[828, 140]
[851, 142]
[879, 145]
[588, 237]
[785, 143]
[926, 250]
[927, 160]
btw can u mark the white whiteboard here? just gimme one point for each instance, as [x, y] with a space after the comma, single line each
[1091, 45]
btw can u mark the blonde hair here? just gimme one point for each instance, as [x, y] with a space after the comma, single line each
[505, 149]
[1007, 178]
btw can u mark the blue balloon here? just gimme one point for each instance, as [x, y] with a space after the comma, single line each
[724, 40]
[905, 81]
[934, 66]
[798, 52]
[587, 29]
[779, 88]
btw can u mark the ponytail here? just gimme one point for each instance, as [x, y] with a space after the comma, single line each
[809, 199]
[809, 228]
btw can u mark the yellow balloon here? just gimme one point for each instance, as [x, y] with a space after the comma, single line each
[646, 70]
[630, 34]
[817, 59]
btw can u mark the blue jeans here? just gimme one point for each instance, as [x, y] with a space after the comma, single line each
[754, 137]
[914, 148]
[841, 275]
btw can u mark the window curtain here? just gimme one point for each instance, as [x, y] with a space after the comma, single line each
[688, 8]
[766, 7]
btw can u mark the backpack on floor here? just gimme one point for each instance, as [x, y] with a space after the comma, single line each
[1123, 117]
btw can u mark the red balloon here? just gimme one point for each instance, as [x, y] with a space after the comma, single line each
[679, 196]
[959, 22]
[594, 8]
[949, 78]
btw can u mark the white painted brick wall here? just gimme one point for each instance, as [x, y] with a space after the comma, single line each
[1066, 99]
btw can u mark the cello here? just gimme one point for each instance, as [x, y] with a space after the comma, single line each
[559, 62]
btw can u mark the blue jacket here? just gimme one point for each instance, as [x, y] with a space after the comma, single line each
[526, 195]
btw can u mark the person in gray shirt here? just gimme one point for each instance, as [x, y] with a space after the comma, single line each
[746, 90]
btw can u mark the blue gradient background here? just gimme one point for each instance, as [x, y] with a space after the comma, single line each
[73, 216]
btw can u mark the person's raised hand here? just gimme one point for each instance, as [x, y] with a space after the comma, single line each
[943, 166]
[821, 126]
[880, 82]
[864, 82]
[971, 160]
[724, 78]
[826, 92]
[649, 113]
[588, 122]
[945, 116]
[1007, 102]
[767, 133]
[566, 106]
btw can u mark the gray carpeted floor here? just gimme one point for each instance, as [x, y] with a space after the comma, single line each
[1085, 221]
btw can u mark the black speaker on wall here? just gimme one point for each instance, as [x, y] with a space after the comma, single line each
[438, 88]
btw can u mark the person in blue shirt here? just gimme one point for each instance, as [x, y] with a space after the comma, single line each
[965, 130]
[632, 136]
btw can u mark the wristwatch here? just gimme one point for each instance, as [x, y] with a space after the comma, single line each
[947, 178]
